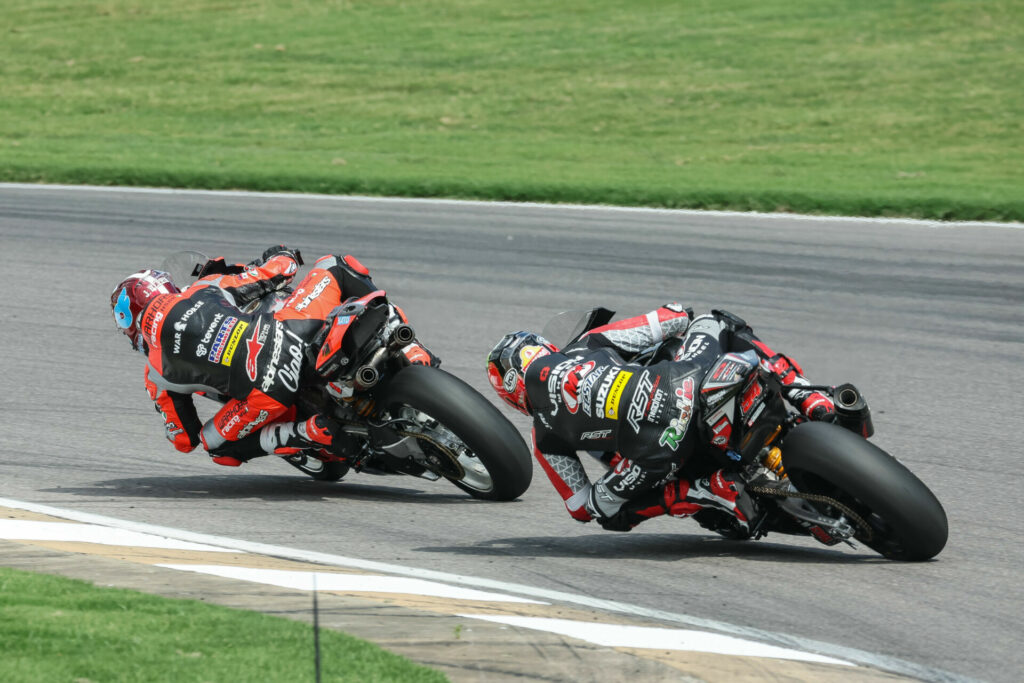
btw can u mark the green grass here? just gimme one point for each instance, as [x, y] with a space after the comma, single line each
[890, 107]
[57, 629]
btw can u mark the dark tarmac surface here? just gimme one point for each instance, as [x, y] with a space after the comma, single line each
[927, 321]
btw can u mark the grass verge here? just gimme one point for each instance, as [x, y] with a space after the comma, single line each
[894, 107]
[58, 629]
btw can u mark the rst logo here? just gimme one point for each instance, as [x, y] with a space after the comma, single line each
[596, 436]
[641, 397]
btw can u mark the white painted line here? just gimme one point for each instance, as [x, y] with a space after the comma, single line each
[27, 530]
[884, 662]
[527, 205]
[348, 583]
[645, 637]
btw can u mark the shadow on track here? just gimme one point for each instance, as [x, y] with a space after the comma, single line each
[264, 487]
[658, 548]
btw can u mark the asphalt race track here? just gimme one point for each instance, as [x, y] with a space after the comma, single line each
[927, 320]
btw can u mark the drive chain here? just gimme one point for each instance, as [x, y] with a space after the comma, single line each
[817, 498]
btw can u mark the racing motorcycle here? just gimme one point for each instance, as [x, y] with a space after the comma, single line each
[396, 417]
[822, 479]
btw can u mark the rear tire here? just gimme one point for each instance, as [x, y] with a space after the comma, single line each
[493, 440]
[907, 521]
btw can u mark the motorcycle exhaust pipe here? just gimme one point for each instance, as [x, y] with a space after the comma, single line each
[366, 376]
[403, 334]
[852, 411]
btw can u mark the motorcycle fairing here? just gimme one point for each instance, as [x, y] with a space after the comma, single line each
[350, 329]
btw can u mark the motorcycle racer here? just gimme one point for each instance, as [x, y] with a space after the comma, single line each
[206, 340]
[642, 418]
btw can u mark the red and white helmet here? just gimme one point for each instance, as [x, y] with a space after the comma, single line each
[130, 298]
[507, 363]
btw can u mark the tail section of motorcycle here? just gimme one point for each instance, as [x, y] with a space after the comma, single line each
[406, 416]
[352, 346]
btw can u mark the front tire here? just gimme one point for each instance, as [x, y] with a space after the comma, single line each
[492, 440]
[906, 519]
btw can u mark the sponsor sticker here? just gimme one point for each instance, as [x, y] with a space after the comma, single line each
[220, 341]
[611, 406]
[528, 354]
[571, 385]
[318, 289]
[631, 474]
[260, 419]
[253, 346]
[642, 397]
[749, 397]
[587, 391]
[721, 431]
[602, 393]
[510, 381]
[553, 382]
[182, 323]
[676, 430]
[291, 370]
[275, 356]
[154, 328]
[697, 346]
[232, 346]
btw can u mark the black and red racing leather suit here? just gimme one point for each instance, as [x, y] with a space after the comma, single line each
[200, 340]
[588, 398]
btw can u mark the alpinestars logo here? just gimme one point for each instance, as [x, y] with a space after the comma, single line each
[253, 346]
[317, 291]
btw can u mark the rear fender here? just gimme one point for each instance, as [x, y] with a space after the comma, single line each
[352, 324]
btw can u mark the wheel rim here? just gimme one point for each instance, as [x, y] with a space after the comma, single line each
[884, 538]
[439, 444]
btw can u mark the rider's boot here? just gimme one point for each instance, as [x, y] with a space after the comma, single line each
[722, 491]
[618, 490]
[289, 438]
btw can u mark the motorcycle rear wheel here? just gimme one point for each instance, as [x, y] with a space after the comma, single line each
[906, 519]
[492, 441]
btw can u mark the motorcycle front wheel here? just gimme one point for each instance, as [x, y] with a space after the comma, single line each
[487, 456]
[906, 519]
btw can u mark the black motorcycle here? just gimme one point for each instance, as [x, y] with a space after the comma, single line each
[823, 479]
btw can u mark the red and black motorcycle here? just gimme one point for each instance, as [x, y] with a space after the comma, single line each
[397, 417]
[404, 418]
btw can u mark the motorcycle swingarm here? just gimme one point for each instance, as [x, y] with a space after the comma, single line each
[801, 510]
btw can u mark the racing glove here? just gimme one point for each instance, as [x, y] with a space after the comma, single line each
[276, 250]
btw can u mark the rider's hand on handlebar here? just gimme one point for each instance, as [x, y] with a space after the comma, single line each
[280, 249]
